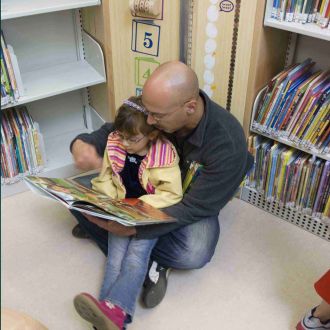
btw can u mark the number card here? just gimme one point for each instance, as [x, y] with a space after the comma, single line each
[144, 66]
[145, 37]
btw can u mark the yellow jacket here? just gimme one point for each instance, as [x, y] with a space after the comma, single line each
[159, 173]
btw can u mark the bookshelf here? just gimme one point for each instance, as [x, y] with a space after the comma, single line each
[58, 79]
[302, 41]
[309, 29]
[19, 8]
[58, 60]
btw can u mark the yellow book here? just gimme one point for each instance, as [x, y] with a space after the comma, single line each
[326, 212]
[302, 185]
[322, 6]
[272, 149]
[285, 159]
[317, 120]
[318, 128]
[301, 135]
[323, 127]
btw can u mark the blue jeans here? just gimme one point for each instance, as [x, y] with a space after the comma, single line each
[126, 268]
[188, 247]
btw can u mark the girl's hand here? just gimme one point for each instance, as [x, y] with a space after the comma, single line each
[85, 156]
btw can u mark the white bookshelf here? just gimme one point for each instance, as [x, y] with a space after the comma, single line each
[20, 8]
[308, 29]
[317, 226]
[56, 80]
[57, 61]
[305, 41]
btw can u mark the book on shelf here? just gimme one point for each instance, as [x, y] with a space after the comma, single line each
[302, 11]
[290, 177]
[22, 147]
[74, 196]
[11, 81]
[295, 107]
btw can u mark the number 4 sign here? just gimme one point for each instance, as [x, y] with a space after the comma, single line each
[145, 37]
[144, 66]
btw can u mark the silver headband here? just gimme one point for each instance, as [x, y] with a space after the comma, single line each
[136, 106]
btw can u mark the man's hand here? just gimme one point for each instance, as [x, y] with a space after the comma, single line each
[112, 226]
[85, 156]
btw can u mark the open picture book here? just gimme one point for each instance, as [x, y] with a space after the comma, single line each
[128, 212]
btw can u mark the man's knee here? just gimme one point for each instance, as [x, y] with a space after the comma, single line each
[195, 256]
[190, 247]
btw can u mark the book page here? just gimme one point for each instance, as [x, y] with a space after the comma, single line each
[132, 211]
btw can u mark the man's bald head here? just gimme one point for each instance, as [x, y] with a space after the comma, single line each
[172, 82]
[171, 96]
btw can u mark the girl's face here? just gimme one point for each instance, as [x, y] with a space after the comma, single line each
[135, 144]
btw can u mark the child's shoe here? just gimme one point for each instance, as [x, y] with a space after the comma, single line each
[310, 322]
[102, 314]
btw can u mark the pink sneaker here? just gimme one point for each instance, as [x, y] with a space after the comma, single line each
[102, 314]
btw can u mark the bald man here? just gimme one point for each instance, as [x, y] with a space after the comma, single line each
[205, 134]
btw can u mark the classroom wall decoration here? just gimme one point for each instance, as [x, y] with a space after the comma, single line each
[211, 29]
[138, 36]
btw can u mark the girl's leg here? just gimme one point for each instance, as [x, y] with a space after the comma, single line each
[117, 248]
[124, 292]
[97, 234]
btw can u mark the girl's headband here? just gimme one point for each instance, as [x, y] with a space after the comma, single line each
[136, 106]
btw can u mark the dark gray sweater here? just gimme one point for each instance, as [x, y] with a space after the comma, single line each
[219, 144]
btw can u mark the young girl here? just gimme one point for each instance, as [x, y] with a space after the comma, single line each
[137, 163]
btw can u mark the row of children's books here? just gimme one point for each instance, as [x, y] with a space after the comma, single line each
[11, 81]
[295, 106]
[22, 146]
[302, 11]
[290, 177]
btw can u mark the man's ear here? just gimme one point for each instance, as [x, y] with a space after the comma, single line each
[191, 106]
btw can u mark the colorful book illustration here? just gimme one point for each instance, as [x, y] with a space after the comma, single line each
[71, 194]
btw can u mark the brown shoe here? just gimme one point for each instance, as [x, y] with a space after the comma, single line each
[79, 232]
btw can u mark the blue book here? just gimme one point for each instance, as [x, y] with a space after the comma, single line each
[292, 76]
[271, 171]
[292, 91]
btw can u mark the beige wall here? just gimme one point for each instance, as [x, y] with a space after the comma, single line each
[111, 24]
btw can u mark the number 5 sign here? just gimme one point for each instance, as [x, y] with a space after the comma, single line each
[145, 37]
